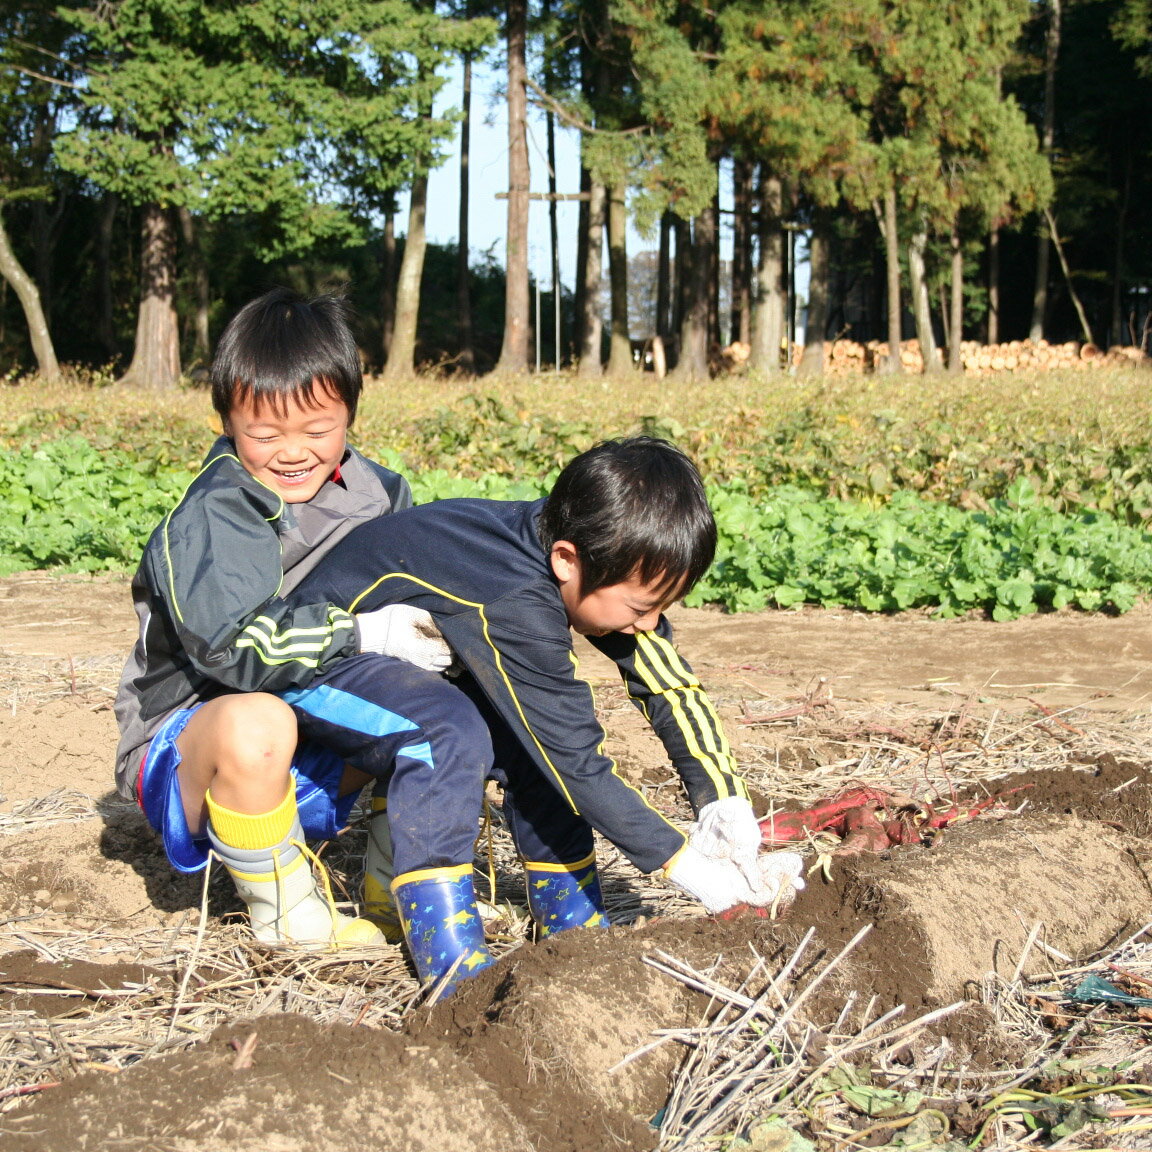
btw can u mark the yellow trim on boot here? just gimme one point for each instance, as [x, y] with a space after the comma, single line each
[539, 866]
[453, 873]
[379, 804]
[278, 872]
[252, 833]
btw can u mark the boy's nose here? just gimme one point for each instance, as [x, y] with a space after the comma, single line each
[649, 621]
[292, 452]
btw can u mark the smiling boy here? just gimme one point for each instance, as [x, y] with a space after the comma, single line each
[213, 754]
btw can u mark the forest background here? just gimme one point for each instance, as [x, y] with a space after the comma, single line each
[975, 168]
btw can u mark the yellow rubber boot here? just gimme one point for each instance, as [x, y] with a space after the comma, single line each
[379, 872]
[269, 864]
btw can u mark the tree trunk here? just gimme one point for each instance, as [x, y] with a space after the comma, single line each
[401, 361]
[105, 322]
[769, 300]
[921, 305]
[553, 206]
[812, 362]
[387, 285]
[1047, 139]
[741, 325]
[1116, 328]
[890, 227]
[590, 321]
[714, 334]
[956, 320]
[29, 296]
[156, 356]
[201, 348]
[463, 272]
[514, 351]
[620, 347]
[994, 286]
[581, 262]
[1072, 293]
[554, 242]
[682, 272]
[694, 333]
[663, 276]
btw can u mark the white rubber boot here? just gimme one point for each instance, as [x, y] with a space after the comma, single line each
[277, 883]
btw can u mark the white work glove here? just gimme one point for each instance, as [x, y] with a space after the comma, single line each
[781, 877]
[717, 884]
[406, 633]
[728, 830]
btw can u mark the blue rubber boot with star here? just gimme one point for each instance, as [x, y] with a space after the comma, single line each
[563, 896]
[441, 925]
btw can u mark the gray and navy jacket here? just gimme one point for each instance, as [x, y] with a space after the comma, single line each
[210, 592]
[479, 568]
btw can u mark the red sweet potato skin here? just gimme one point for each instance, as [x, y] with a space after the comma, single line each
[867, 820]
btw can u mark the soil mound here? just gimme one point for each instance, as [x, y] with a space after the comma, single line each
[282, 1084]
[1115, 791]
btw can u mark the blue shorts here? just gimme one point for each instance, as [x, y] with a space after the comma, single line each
[317, 772]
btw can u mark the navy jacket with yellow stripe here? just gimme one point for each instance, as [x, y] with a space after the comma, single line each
[479, 568]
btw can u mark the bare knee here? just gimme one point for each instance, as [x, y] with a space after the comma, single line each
[241, 747]
[253, 734]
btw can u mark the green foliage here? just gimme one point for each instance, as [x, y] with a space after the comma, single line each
[871, 458]
[794, 547]
[303, 112]
[484, 437]
[67, 505]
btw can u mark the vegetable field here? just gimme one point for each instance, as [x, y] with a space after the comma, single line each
[951, 496]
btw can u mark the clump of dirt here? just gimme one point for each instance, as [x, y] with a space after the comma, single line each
[531, 1054]
[974, 899]
[81, 868]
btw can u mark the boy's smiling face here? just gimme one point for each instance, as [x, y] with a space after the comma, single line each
[631, 606]
[293, 447]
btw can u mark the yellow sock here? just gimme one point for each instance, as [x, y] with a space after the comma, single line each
[251, 833]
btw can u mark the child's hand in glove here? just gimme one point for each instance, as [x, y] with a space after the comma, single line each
[781, 877]
[728, 830]
[717, 884]
[406, 633]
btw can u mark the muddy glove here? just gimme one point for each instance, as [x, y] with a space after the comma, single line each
[727, 830]
[717, 884]
[406, 633]
[781, 877]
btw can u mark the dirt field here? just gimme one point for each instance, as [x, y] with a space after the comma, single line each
[130, 1021]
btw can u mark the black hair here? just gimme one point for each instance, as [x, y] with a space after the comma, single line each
[282, 346]
[632, 507]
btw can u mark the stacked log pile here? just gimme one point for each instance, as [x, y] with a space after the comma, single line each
[843, 357]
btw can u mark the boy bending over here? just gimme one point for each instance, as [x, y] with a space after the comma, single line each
[213, 755]
[625, 532]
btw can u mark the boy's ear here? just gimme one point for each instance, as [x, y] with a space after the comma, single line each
[565, 562]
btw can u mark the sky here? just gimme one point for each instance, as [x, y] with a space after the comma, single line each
[487, 217]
